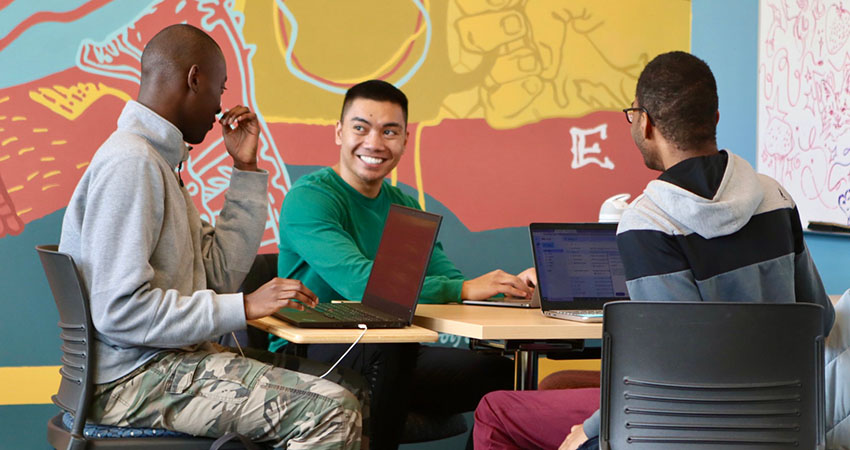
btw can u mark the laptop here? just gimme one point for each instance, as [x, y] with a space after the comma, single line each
[395, 281]
[578, 269]
[511, 302]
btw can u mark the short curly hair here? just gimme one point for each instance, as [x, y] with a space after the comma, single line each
[680, 93]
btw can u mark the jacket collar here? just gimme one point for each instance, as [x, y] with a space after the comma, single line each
[160, 133]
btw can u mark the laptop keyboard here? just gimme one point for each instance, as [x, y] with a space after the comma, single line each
[579, 312]
[346, 312]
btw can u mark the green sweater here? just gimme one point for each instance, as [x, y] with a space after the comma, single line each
[329, 234]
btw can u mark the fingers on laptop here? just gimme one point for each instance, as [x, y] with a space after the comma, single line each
[510, 284]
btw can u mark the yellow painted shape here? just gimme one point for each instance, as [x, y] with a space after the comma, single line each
[15, 188]
[18, 118]
[47, 158]
[28, 385]
[59, 142]
[32, 175]
[4, 99]
[2, 117]
[50, 174]
[82, 164]
[298, 120]
[23, 211]
[417, 153]
[49, 186]
[376, 72]
[25, 149]
[39, 130]
[4, 157]
[9, 140]
[547, 366]
[70, 102]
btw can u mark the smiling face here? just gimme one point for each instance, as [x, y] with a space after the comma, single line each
[371, 139]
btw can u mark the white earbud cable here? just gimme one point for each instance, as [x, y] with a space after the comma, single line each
[363, 327]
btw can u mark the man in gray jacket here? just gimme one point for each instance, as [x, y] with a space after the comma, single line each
[159, 277]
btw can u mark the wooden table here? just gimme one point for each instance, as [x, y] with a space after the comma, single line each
[297, 335]
[526, 332]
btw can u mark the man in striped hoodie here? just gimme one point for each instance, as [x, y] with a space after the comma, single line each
[709, 228]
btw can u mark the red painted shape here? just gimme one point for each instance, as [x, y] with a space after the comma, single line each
[82, 137]
[50, 16]
[10, 223]
[508, 178]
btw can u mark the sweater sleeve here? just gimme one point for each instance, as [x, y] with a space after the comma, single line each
[311, 226]
[443, 280]
[123, 220]
[230, 248]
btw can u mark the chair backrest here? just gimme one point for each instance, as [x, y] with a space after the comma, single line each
[76, 332]
[712, 375]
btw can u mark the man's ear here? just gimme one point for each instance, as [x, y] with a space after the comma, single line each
[646, 128]
[338, 133]
[717, 117]
[192, 78]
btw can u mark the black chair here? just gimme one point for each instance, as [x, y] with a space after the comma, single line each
[418, 427]
[76, 387]
[712, 375]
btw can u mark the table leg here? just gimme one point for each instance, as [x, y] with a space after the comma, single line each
[526, 370]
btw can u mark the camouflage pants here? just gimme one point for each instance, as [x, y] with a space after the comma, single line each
[213, 391]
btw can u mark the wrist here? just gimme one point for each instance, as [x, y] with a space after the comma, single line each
[464, 290]
[246, 167]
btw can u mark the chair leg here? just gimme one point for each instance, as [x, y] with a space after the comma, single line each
[77, 443]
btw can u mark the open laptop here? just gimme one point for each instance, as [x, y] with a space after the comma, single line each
[395, 281]
[578, 269]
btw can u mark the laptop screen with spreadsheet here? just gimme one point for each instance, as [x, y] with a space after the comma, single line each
[578, 265]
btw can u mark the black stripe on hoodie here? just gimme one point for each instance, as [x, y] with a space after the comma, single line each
[764, 237]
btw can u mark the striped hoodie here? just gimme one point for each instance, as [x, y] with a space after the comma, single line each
[712, 229]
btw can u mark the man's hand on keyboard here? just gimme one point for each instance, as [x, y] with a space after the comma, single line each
[497, 282]
[276, 294]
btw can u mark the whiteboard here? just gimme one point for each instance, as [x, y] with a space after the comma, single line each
[804, 103]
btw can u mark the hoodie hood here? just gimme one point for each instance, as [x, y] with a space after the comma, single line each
[709, 201]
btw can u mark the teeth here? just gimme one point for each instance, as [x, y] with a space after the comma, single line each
[370, 160]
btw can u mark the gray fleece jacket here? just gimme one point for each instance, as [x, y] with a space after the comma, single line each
[157, 275]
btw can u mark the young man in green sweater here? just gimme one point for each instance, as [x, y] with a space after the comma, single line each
[330, 226]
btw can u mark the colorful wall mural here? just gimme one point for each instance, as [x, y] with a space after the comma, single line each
[514, 109]
[514, 117]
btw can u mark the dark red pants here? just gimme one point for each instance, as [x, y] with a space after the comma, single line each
[531, 419]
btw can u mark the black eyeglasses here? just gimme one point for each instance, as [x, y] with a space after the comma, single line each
[628, 114]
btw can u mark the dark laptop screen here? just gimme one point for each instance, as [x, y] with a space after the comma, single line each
[579, 263]
[402, 258]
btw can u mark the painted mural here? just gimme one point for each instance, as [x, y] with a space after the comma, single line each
[804, 104]
[514, 105]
